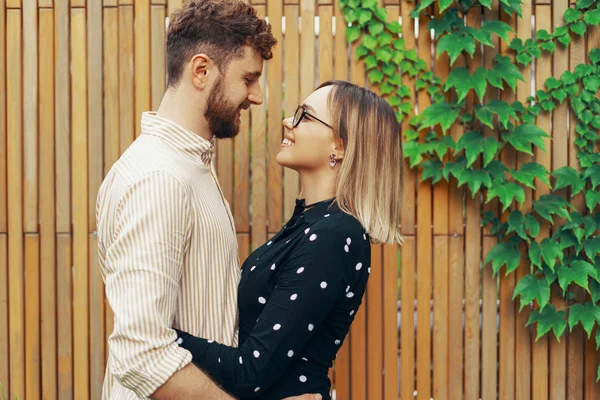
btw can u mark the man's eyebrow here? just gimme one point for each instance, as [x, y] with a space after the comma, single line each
[309, 107]
[254, 74]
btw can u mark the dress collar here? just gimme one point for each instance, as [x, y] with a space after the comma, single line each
[183, 140]
[316, 211]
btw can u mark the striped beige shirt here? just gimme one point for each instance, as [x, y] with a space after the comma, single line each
[168, 254]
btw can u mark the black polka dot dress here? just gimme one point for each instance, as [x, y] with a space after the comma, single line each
[298, 295]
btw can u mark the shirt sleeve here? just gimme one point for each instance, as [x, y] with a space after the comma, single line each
[144, 266]
[319, 275]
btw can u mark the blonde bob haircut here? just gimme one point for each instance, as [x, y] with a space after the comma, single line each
[370, 180]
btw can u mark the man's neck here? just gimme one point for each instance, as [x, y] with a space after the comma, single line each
[181, 109]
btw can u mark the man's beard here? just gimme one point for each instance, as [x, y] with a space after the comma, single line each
[220, 114]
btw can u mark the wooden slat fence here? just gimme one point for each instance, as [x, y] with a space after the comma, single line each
[74, 78]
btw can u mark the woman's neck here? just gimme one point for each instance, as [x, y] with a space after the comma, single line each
[317, 186]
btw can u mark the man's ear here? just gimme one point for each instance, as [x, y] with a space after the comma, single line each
[201, 70]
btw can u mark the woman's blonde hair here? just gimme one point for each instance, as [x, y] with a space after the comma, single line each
[369, 184]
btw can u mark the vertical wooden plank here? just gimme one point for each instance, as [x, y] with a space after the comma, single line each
[30, 117]
[440, 317]
[141, 61]
[592, 388]
[3, 131]
[489, 327]
[241, 170]
[291, 99]
[15, 202]
[274, 109]
[94, 106]
[79, 143]
[522, 332]
[97, 314]
[32, 316]
[375, 323]
[173, 5]
[342, 370]
[243, 245]
[259, 165]
[4, 316]
[63, 117]
[390, 322]
[307, 48]
[64, 310]
[47, 204]
[407, 330]
[455, 316]
[325, 50]
[358, 348]
[111, 124]
[341, 56]
[126, 78]
[157, 54]
[424, 246]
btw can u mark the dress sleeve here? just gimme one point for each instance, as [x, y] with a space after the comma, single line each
[319, 274]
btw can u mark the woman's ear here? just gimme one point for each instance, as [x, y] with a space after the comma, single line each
[338, 149]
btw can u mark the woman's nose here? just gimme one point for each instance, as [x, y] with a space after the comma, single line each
[287, 122]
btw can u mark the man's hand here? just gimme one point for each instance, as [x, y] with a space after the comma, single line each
[308, 396]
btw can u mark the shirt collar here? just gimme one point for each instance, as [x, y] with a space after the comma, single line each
[318, 210]
[183, 140]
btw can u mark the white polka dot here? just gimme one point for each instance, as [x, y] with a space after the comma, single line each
[179, 340]
[210, 341]
[293, 297]
[304, 358]
[364, 236]
[256, 354]
[270, 241]
[338, 341]
[276, 327]
[369, 270]
[262, 300]
[348, 241]
[300, 270]
[313, 237]
[253, 268]
[257, 389]
[306, 230]
[311, 327]
[241, 362]
[346, 248]
[350, 295]
[288, 241]
[327, 215]
[348, 289]
[290, 353]
[302, 378]
[358, 266]
[323, 285]
[273, 267]
[219, 359]
[352, 313]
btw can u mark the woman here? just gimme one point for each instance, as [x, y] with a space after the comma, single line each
[300, 291]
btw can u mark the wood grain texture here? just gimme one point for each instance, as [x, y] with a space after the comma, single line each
[375, 320]
[32, 317]
[4, 315]
[3, 131]
[64, 309]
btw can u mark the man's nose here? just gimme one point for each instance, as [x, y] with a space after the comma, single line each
[255, 96]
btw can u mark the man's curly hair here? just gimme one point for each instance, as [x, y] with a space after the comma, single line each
[218, 28]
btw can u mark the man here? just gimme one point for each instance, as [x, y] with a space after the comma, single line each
[167, 242]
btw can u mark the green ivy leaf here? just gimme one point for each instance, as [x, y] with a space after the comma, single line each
[568, 176]
[504, 69]
[484, 115]
[532, 225]
[579, 28]
[394, 27]
[445, 4]
[432, 169]
[550, 252]
[390, 70]
[381, 14]
[523, 136]
[383, 54]
[535, 254]
[559, 95]
[565, 39]
[440, 113]
[503, 110]
[386, 88]
[548, 46]
[371, 62]
[586, 313]
[369, 42]
[548, 205]
[548, 318]
[506, 192]
[592, 17]
[516, 224]
[527, 173]
[504, 253]
[592, 247]
[454, 44]
[510, 6]
[579, 272]
[350, 15]
[375, 28]
[572, 15]
[412, 151]
[473, 178]
[460, 79]
[474, 143]
[353, 33]
[593, 172]
[595, 56]
[376, 76]
[595, 291]
[479, 82]
[422, 6]
[531, 288]
[364, 16]
[592, 198]
[445, 143]
[486, 3]
[384, 39]
[497, 27]
[584, 3]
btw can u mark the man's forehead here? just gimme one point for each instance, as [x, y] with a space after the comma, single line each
[251, 63]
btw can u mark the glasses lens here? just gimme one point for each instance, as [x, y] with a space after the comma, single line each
[297, 116]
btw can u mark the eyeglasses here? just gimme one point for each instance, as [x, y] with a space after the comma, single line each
[301, 113]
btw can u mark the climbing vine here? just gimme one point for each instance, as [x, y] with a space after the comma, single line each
[569, 257]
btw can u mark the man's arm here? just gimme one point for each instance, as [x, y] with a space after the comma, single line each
[190, 383]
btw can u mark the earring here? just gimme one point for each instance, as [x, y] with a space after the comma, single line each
[333, 161]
